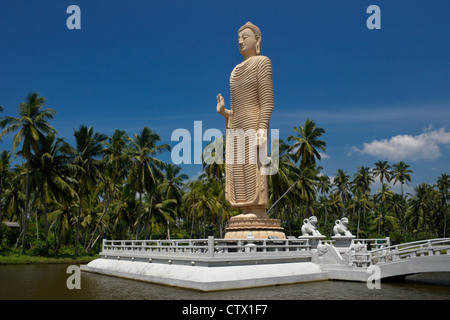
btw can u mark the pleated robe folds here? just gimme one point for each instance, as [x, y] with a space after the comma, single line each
[251, 104]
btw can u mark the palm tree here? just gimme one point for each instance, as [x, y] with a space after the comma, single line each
[145, 168]
[401, 173]
[162, 211]
[89, 149]
[116, 163]
[382, 170]
[63, 207]
[32, 124]
[173, 182]
[307, 184]
[166, 198]
[362, 182]
[443, 185]
[335, 204]
[5, 163]
[13, 196]
[52, 172]
[287, 172]
[305, 150]
[419, 206]
[384, 195]
[307, 143]
[214, 167]
[342, 183]
[323, 184]
[190, 199]
[363, 179]
[324, 187]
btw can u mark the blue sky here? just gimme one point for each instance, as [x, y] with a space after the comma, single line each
[379, 94]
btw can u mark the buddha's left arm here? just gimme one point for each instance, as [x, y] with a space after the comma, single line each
[265, 92]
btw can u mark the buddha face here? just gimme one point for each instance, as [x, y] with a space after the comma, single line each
[248, 43]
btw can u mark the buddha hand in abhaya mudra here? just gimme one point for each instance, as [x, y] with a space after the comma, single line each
[247, 125]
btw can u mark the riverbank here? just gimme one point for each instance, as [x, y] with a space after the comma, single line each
[14, 258]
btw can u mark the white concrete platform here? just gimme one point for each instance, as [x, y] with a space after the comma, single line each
[206, 278]
[224, 264]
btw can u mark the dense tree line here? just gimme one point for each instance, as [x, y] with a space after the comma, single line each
[115, 186]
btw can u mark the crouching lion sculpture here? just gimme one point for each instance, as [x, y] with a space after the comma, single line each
[309, 227]
[340, 228]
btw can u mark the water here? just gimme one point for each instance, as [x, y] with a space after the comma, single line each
[48, 282]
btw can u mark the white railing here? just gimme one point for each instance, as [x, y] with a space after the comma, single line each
[209, 246]
[375, 243]
[431, 247]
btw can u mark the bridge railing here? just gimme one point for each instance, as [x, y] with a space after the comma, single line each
[204, 246]
[431, 247]
[375, 243]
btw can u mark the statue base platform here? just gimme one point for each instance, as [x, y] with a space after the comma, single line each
[258, 228]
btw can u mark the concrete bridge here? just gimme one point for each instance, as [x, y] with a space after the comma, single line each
[409, 258]
[390, 261]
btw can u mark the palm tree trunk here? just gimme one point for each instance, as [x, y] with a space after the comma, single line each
[288, 220]
[192, 227]
[25, 213]
[45, 219]
[359, 218]
[445, 222]
[37, 225]
[139, 216]
[353, 214]
[59, 236]
[221, 209]
[381, 207]
[78, 223]
[18, 239]
[89, 246]
[147, 228]
[1, 211]
[86, 235]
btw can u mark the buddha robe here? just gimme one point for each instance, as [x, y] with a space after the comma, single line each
[251, 104]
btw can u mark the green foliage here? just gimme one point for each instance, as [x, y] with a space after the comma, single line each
[117, 187]
[37, 248]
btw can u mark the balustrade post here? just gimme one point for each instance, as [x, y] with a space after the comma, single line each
[396, 255]
[211, 246]
[430, 248]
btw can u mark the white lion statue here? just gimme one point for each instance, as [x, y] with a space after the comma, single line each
[340, 228]
[309, 227]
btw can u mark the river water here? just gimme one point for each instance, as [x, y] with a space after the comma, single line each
[48, 282]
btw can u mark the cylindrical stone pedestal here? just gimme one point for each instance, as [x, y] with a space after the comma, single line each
[313, 240]
[342, 241]
[260, 228]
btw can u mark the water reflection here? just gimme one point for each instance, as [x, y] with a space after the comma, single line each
[48, 282]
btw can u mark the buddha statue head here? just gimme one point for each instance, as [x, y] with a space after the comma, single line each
[249, 40]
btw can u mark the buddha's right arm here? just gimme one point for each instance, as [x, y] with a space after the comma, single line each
[226, 113]
[221, 107]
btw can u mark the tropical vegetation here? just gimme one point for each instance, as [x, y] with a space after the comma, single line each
[68, 197]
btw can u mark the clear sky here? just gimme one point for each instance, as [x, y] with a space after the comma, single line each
[379, 94]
